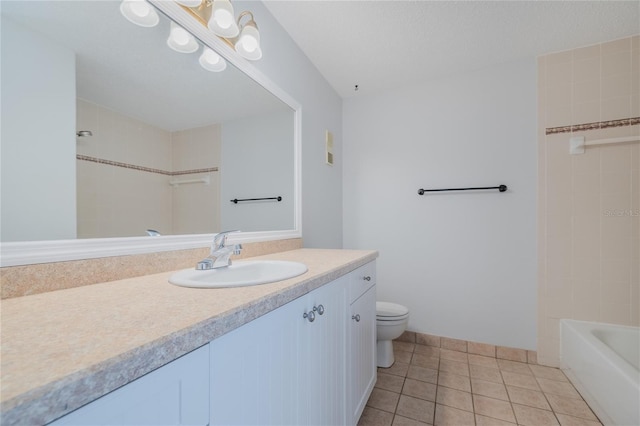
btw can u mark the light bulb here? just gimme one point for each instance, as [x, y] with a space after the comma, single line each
[249, 43]
[223, 18]
[180, 36]
[140, 8]
[180, 40]
[211, 61]
[139, 12]
[222, 22]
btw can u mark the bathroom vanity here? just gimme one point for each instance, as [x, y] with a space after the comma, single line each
[142, 351]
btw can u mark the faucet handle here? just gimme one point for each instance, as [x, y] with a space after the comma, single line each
[220, 239]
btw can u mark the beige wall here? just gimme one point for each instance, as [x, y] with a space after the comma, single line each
[589, 204]
[119, 201]
[196, 149]
[126, 199]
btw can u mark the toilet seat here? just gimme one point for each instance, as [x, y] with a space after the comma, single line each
[386, 311]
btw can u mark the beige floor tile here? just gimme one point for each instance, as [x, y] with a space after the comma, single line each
[397, 369]
[512, 354]
[558, 388]
[452, 416]
[383, 400]
[374, 417]
[408, 336]
[403, 346]
[489, 421]
[520, 380]
[419, 389]
[514, 367]
[481, 349]
[454, 398]
[571, 406]
[427, 350]
[529, 416]
[551, 373]
[402, 356]
[493, 408]
[528, 397]
[453, 344]
[490, 389]
[566, 420]
[390, 382]
[420, 373]
[425, 361]
[454, 381]
[428, 339]
[404, 421]
[455, 367]
[416, 409]
[484, 361]
[485, 373]
[453, 355]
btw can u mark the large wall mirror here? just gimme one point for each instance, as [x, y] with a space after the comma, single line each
[107, 133]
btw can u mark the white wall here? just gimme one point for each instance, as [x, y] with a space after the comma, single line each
[285, 64]
[257, 162]
[464, 263]
[38, 137]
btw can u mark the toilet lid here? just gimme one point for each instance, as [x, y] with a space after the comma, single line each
[386, 309]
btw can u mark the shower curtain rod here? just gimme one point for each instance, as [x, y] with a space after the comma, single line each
[501, 188]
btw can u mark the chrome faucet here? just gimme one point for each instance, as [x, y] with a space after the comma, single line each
[220, 255]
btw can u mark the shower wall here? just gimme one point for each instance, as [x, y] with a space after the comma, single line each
[124, 173]
[589, 204]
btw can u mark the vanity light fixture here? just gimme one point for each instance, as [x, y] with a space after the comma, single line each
[181, 40]
[218, 16]
[140, 12]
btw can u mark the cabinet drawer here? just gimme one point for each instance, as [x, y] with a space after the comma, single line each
[362, 279]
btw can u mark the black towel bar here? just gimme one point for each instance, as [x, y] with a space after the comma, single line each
[236, 200]
[501, 188]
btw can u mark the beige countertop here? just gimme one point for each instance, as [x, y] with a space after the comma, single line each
[63, 349]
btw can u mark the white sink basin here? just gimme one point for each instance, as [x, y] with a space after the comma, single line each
[251, 272]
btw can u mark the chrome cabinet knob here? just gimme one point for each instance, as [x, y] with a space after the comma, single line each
[367, 278]
[319, 309]
[356, 317]
[309, 316]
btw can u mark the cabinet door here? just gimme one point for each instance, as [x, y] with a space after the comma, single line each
[254, 371]
[361, 353]
[322, 370]
[175, 394]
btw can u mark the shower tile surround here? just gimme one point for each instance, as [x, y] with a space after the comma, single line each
[422, 388]
[589, 204]
[129, 163]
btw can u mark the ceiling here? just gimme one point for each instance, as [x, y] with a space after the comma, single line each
[380, 45]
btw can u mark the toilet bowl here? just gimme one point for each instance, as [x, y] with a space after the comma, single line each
[391, 322]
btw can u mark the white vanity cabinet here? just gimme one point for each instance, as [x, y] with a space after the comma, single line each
[286, 367]
[305, 363]
[175, 394]
[361, 340]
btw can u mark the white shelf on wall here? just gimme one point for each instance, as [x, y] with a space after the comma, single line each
[577, 144]
[206, 180]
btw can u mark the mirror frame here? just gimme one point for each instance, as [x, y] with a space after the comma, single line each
[34, 252]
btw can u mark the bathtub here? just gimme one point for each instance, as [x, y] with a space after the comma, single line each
[603, 363]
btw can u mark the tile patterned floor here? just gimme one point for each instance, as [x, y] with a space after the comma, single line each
[430, 385]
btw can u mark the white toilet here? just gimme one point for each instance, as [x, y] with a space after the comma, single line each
[391, 322]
